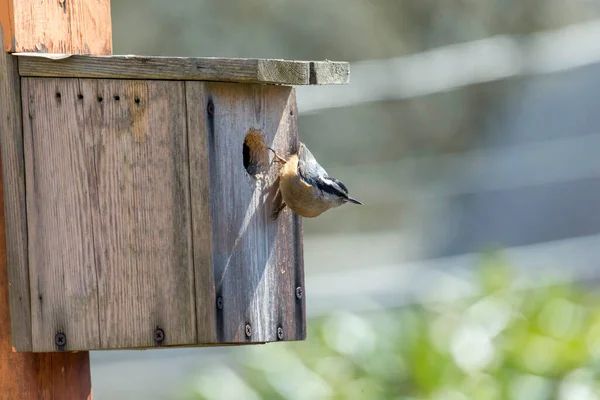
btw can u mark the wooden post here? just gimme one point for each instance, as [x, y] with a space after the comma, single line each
[60, 26]
[46, 27]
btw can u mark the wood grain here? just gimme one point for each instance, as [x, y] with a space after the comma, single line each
[329, 72]
[179, 68]
[61, 247]
[61, 26]
[62, 376]
[30, 376]
[254, 257]
[7, 24]
[137, 148]
[201, 162]
[13, 168]
[141, 230]
[35, 376]
[294, 234]
[25, 376]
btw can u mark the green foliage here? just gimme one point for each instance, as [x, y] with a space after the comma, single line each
[541, 343]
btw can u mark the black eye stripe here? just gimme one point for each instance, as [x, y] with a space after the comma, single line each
[331, 187]
[340, 184]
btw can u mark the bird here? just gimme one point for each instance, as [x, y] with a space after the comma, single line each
[306, 188]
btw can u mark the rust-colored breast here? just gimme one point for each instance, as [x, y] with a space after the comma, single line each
[301, 197]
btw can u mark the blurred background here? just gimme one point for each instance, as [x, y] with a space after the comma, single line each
[471, 131]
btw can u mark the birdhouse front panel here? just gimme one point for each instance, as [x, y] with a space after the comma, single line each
[253, 246]
[151, 214]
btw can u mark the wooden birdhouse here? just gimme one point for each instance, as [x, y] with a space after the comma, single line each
[139, 197]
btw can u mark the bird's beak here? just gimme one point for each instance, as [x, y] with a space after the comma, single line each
[350, 199]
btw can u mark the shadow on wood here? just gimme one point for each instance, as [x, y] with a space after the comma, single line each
[145, 228]
[138, 218]
[255, 266]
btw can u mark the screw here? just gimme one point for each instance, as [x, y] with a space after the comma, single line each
[248, 330]
[280, 333]
[299, 292]
[220, 303]
[60, 339]
[210, 108]
[159, 335]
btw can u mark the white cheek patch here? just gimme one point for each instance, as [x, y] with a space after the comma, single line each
[332, 199]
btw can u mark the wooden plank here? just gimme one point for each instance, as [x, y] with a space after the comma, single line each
[254, 257]
[61, 26]
[29, 376]
[61, 248]
[329, 73]
[295, 288]
[200, 189]
[285, 72]
[13, 168]
[34, 376]
[137, 145]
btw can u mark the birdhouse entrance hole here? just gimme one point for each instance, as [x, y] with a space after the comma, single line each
[130, 221]
[255, 154]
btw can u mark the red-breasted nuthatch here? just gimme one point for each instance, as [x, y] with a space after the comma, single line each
[306, 187]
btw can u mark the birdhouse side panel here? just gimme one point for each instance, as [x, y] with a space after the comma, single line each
[255, 253]
[13, 196]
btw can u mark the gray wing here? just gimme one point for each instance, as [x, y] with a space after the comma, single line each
[308, 167]
[315, 175]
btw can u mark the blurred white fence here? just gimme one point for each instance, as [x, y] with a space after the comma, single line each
[152, 374]
[458, 65]
[449, 278]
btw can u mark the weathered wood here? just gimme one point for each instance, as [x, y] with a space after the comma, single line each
[61, 247]
[138, 161]
[118, 174]
[13, 168]
[34, 376]
[296, 236]
[61, 26]
[200, 188]
[327, 72]
[141, 212]
[255, 258]
[178, 68]
[29, 376]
